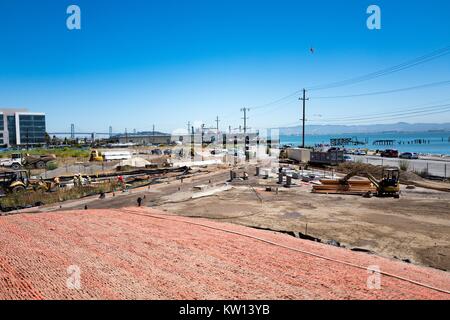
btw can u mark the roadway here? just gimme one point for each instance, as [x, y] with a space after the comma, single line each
[435, 167]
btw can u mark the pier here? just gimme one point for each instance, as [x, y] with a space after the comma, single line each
[384, 142]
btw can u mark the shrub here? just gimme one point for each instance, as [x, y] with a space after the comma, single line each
[52, 165]
[403, 165]
[30, 198]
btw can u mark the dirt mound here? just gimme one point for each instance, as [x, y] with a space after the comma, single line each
[377, 171]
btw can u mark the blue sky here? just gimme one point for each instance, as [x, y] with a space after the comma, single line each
[137, 63]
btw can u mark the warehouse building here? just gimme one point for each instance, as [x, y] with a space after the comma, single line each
[18, 127]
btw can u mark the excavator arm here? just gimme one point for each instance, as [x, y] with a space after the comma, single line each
[344, 180]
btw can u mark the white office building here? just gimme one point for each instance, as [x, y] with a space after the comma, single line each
[18, 127]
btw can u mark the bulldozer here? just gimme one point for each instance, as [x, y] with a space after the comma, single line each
[388, 186]
[95, 156]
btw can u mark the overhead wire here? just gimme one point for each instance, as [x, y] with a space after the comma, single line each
[422, 106]
[400, 67]
[427, 85]
[406, 65]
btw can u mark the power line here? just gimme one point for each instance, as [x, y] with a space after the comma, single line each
[435, 109]
[292, 95]
[400, 67]
[287, 103]
[406, 65]
[423, 106]
[405, 116]
[428, 85]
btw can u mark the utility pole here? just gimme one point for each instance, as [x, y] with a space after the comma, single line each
[304, 116]
[153, 135]
[189, 127]
[245, 118]
[203, 134]
[192, 144]
[126, 135]
[72, 131]
[217, 124]
[217, 129]
[110, 131]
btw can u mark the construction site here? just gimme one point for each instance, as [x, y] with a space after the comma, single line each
[263, 200]
[206, 151]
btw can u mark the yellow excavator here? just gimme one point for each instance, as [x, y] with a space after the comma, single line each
[388, 186]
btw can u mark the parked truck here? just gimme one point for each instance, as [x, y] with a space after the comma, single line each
[332, 157]
[19, 161]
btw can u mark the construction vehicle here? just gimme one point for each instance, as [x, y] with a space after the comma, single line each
[18, 161]
[95, 156]
[109, 155]
[331, 157]
[14, 181]
[388, 186]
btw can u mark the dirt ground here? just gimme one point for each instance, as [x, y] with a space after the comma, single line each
[142, 253]
[415, 228]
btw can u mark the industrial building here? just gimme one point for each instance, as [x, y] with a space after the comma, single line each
[145, 139]
[148, 139]
[18, 127]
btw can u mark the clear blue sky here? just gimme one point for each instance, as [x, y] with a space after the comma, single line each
[135, 63]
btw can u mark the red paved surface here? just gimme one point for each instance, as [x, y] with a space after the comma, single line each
[124, 254]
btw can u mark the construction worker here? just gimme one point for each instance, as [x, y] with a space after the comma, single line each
[121, 181]
[75, 180]
[56, 182]
[139, 201]
[79, 180]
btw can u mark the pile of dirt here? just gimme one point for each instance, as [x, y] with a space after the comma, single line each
[406, 177]
[135, 162]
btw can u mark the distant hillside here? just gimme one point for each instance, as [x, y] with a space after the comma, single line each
[373, 128]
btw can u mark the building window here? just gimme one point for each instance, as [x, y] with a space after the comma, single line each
[11, 120]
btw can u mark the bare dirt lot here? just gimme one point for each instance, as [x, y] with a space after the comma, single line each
[415, 227]
[147, 254]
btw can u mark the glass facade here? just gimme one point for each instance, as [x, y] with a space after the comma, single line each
[12, 129]
[22, 128]
[32, 129]
[2, 128]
